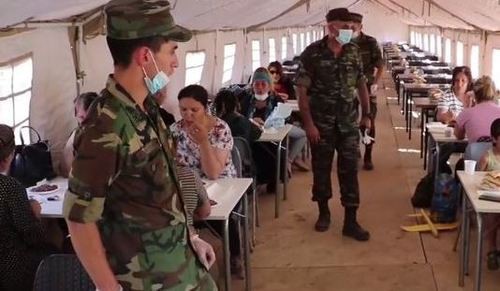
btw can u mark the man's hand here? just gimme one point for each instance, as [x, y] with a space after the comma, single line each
[283, 96]
[258, 121]
[373, 89]
[204, 251]
[312, 134]
[365, 122]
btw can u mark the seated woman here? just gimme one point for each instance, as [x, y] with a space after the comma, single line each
[490, 161]
[456, 99]
[204, 144]
[82, 104]
[259, 106]
[475, 122]
[283, 86]
[449, 107]
[22, 239]
[226, 108]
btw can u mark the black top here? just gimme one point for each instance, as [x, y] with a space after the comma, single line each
[241, 126]
[20, 229]
[168, 118]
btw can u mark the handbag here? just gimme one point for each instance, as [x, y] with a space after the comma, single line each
[32, 162]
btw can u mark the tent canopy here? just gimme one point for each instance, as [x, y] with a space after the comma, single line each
[255, 14]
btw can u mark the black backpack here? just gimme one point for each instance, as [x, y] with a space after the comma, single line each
[422, 198]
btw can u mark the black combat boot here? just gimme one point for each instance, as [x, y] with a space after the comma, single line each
[351, 226]
[323, 222]
[368, 165]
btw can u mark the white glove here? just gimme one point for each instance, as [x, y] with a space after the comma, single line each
[204, 251]
[366, 139]
[373, 89]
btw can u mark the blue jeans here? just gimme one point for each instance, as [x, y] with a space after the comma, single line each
[298, 140]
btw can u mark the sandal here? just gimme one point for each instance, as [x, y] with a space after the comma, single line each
[492, 261]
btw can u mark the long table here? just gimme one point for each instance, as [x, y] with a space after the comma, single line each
[227, 192]
[471, 201]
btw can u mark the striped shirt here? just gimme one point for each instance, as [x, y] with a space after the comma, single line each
[193, 192]
[450, 102]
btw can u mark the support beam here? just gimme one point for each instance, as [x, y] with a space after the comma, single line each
[453, 14]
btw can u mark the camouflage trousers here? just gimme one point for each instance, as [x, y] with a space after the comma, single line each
[347, 147]
[166, 262]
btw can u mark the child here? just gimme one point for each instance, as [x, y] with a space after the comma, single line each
[490, 161]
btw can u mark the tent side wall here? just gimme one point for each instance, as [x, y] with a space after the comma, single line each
[54, 81]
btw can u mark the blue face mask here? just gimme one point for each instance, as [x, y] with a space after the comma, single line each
[159, 81]
[344, 36]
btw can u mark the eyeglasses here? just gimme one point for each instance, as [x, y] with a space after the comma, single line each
[273, 72]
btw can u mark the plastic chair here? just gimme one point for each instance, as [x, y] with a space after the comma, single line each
[62, 272]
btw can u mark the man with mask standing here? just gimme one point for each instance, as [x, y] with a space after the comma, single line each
[330, 72]
[373, 67]
[123, 206]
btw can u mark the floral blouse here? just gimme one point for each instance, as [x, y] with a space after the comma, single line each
[188, 151]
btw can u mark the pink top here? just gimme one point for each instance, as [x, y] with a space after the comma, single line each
[477, 120]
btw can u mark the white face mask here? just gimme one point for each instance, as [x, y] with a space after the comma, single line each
[261, 97]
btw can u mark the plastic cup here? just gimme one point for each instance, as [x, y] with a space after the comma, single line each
[448, 131]
[470, 167]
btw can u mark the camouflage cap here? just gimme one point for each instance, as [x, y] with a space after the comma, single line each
[133, 19]
[356, 17]
[338, 14]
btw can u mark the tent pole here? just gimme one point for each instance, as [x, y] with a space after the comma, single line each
[79, 48]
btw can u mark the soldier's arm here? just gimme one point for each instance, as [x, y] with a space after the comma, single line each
[378, 61]
[305, 112]
[364, 98]
[303, 82]
[96, 164]
[89, 249]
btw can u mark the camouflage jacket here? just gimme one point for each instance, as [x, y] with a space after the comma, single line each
[331, 84]
[370, 54]
[124, 179]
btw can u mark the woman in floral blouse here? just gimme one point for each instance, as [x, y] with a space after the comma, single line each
[204, 142]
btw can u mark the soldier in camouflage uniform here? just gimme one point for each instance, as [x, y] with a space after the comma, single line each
[373, 67]
[329, 75]
[123, 206]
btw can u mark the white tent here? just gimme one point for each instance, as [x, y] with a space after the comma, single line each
[62, 40]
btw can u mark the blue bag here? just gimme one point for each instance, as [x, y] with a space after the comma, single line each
[445, 199]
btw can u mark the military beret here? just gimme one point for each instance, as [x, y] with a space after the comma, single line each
[133, 19]
[356, 17]
[339, 14]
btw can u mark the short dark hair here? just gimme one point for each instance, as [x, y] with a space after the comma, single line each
[122, 49]
[196, 92]
[465, 70]
[86, 99]
[495, 129]
[225, 102]
[278, 66]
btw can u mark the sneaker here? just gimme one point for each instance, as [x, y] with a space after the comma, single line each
[368, 165]
[301, 165]
[355, 231]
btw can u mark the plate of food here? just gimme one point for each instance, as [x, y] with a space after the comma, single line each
[44, 189]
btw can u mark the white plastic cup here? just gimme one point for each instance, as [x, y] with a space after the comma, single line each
[470, 167]
[448, 131]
